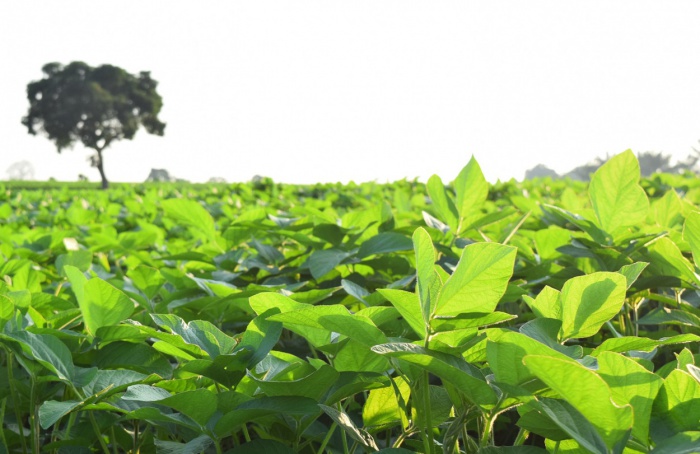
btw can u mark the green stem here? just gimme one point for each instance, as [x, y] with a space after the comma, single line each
[246, 435]
[327, 438]
[522, 436]
[34, 429]
[13, 393]
[486, 434]
[96, 429]
[427, 441]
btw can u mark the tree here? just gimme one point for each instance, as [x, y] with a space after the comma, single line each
[94, 106]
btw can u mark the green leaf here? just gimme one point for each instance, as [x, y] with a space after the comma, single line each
[265, 406]
[147, 279]
[645, 344]
[192, 214]
[442, 203]
[383, 243]
[449, 368]
[546, 304]
[479, 281]
[587, 392]
[680, 443]
[427, 285]
[313, 386]
[382, 407]
[197, 332]
[571, 421]
[51, 411]
[344, 421]
[590, 301]
[631, 384]
[408, 305]
[260, 337]
[617, 198]
[199, 405]
[48, 350]
[691, 234]
[81, 259]
[505, 351]
[101, 303]
[668, 260]
[677, 406]
[323, 262]
[471, 189]
[632, 272]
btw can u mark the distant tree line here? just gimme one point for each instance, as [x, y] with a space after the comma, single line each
[649, 163]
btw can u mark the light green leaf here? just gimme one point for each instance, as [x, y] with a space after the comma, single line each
[147, 279]
[427, 285]
[192, 214]
[587, 392]
[590, 301]
[471, 189]
[382, 407]
[546, 304]
[617, 198]
[479, 281]
[631, 384]
[677, 406]
[103, 304]
[442, 203]
[645, 344]
[408, 305]
[449, 368]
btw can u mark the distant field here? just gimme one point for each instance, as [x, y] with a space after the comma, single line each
[517, 318]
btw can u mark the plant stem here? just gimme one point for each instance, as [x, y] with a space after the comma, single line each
[486, 432]
[427, 441]
[327, 438]
[13, 393]
[96, 428]
[34, 429]
[522, 436]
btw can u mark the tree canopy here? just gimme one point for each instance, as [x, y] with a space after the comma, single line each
[93, 106]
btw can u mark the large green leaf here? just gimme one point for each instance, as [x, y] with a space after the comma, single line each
[677, 406]
[631, 384]
[383, 406]
[617, 198]
[428, 280]
[587, 392]
[449, 368]
[192, 214]
[471, 189]
[48, 350]
[442, 202]
[479, 281]
[589, 301]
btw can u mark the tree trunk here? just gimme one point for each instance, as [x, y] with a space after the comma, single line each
[100, 167]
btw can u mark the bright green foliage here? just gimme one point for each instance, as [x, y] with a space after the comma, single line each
[353, 318]
[617, 198]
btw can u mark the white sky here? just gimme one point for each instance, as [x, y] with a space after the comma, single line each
[309, 91]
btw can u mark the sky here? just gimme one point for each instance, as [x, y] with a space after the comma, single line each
[366, 90]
